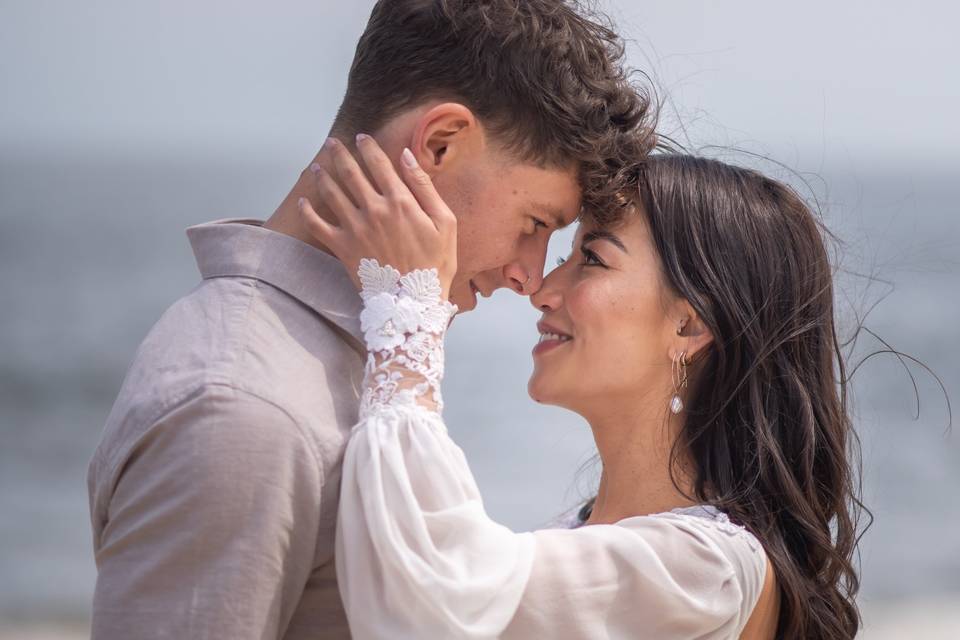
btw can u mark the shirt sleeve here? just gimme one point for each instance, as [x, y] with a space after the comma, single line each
[418, 557]
[211, 526]
[658, 576]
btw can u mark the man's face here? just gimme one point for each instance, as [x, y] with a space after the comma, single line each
[506, 211]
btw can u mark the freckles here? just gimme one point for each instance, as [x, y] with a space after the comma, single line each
[598, 297]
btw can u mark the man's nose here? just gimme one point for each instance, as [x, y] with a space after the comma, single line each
[522, 279]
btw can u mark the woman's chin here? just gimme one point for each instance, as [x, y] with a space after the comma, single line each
[540, 389]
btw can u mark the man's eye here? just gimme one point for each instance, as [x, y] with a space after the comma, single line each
[560, 261]
[537, 223]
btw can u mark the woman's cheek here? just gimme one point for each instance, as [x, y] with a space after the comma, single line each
[625, 327]
[595, 313]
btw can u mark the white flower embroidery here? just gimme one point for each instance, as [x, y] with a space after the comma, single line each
[423, 285]
[408, 315]
[420, 346]
[376, 322]
[375, 279]
[404, 319]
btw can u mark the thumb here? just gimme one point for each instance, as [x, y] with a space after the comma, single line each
[421, 186]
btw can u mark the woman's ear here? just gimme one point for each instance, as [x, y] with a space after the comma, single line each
[443, 134]
[693, 335]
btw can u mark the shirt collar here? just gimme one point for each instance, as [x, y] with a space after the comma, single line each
[242, 247]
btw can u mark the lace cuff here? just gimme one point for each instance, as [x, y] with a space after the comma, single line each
[404, 320]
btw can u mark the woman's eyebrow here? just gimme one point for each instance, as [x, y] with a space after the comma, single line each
[601, 234]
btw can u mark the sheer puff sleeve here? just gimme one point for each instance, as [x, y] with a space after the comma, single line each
[418, 557]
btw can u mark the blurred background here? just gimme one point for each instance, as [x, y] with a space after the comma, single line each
[122, 122]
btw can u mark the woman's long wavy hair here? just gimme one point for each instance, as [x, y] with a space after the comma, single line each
[766, 423]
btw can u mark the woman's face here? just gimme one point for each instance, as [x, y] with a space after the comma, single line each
[613, 313]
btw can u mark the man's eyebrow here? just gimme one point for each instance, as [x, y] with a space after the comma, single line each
[558, 218]
[601, 234]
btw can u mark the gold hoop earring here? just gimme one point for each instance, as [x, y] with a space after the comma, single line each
[679, 382]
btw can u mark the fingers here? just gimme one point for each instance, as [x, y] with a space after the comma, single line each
[421, 186]
[379, 167]
[409, 227]
[319, 228]
[350, 175]
[333, 197]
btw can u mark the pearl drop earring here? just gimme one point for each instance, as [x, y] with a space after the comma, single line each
[679, 382]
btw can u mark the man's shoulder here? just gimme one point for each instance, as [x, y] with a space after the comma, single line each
[227, 317]
[244, 333]
[237, 348]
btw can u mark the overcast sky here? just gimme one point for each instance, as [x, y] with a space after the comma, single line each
[872, 82]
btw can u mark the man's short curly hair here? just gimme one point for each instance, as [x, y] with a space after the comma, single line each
[545, 77]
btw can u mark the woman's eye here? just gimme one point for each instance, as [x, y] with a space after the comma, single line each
[591, 259]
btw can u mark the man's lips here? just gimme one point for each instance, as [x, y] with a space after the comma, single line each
[477, 290]
[474, 290]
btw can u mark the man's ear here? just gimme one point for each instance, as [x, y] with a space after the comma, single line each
[444, 134]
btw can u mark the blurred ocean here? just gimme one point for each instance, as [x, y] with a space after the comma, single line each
[92, 250]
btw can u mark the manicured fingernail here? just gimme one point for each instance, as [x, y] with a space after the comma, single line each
[361, 137]
[408, 159]
[315, 167]
[330, 143]
[301, 202]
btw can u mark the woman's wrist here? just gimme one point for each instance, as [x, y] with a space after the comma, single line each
[399, 305]
[404, 319]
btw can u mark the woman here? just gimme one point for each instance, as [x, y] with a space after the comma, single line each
[695, 335]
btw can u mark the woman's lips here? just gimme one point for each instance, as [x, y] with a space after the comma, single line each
[548, 345]
[550, 338]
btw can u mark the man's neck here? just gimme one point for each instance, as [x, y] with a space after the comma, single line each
[286, 219]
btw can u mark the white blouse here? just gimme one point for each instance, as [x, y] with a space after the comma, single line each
[418, 557]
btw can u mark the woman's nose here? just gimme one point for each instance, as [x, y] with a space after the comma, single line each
[548, 296]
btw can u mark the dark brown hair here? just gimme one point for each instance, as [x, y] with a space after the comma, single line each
[766, 426]
[544, 77]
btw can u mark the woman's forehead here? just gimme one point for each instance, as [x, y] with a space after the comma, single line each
[628, 230]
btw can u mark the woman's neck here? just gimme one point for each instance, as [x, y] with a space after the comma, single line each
[635, 448]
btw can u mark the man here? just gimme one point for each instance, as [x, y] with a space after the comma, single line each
[214, 489]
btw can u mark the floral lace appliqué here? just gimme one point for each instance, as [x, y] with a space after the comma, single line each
[720, 520]
[404, 320]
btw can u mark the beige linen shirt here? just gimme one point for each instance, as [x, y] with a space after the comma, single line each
[213, 492]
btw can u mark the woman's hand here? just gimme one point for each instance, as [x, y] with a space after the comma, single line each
[399, 220]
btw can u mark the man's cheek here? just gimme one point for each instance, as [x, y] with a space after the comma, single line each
[491, 251]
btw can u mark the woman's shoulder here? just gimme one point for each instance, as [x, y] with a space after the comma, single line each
[740, 548]
[702, 539]
[703, 526]
[752, 565]
[712, 519]
[693, 555]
